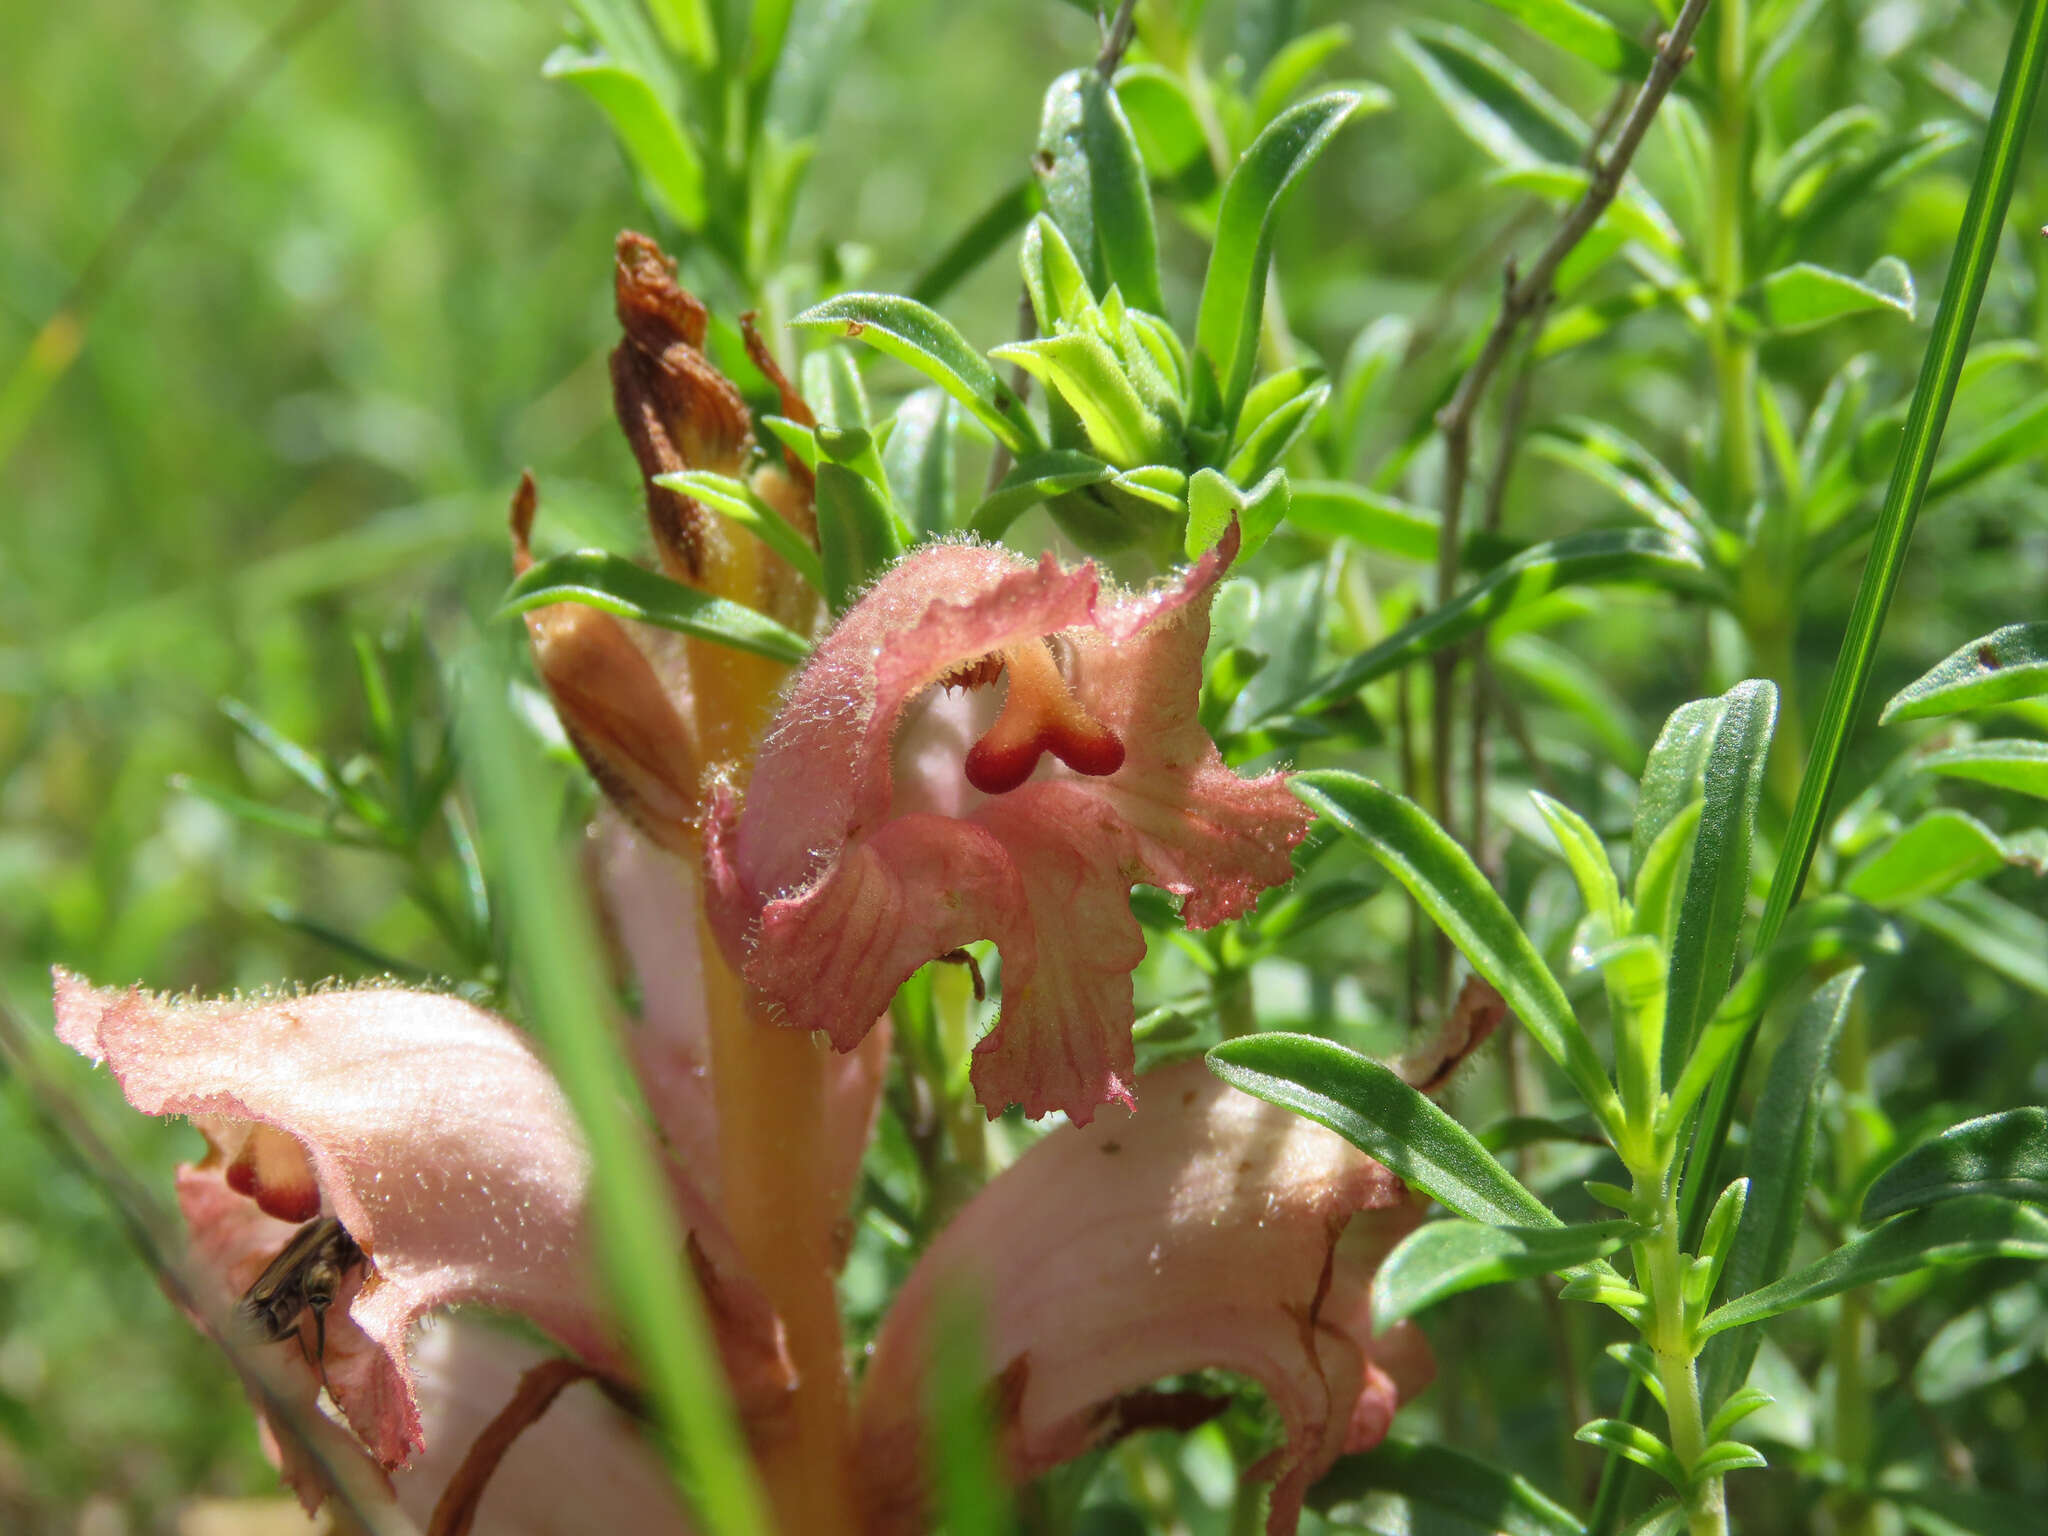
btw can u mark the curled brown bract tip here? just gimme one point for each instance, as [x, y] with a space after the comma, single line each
[525, 505]
[678, 411]
[654, 309]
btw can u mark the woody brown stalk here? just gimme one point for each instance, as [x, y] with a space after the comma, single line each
[1524, 297]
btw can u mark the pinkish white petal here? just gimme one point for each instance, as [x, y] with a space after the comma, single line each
[582, 1466]
[435, 1135]
[1201, 1232]
[890, 819]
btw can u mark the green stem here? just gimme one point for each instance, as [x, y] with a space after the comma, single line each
[1855, 1329]
[1676, 1351]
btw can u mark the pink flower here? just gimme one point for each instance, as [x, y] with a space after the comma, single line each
[903, 804]
[1207, 1231]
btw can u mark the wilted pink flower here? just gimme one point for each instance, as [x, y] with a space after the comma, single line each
[903, 805]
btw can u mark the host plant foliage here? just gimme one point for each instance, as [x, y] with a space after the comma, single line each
[925, 799]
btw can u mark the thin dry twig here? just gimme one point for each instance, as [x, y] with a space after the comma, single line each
[1116, 38]
[1525, 295]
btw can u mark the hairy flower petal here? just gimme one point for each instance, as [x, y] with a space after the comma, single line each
[436, 1136]
[582, 1466]
[888, 821]
[1201, 1232]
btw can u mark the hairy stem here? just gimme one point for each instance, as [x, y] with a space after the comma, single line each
[771, 1100]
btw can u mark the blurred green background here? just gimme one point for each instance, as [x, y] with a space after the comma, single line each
[305, 388]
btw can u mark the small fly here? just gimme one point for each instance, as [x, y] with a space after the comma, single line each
[304, 1277]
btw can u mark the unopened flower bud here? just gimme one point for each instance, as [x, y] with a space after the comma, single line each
[613, 706]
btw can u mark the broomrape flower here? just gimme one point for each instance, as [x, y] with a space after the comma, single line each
[983, 747]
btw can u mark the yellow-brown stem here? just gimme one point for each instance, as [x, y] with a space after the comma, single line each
[771, 1100]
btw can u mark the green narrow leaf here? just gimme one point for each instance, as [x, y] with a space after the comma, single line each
[907, 330]
[289, 755]
[668, 163]
[1634, 1443]
[1095, 188]
[1496, 103]
[1938, 852]
[918, 459]
[2003, 1154]
[1010, 212]
[1168, 130]
[1579, 31]
[1447, 1258]
[1374, 1110]
[832, 385]
[858, 533]
[2016, 765]
[1335, 509]
[1234, 289]
[1723, 1457]
[2002, 1336]
[1031, 480]
[618, 586]
[1781, 1144]
[1265, 445]
[1288, 70]
[1085, 372]
[1957, 1231]
[313, 829]
[1803, 296]
[1604, 555]
[1461, 901]
[1448, 1484]
[2001, 934]
[1716, 890]
[735, 500]
[1586, 856]
[1739, 1406]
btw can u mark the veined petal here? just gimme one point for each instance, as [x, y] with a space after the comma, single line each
[1202, 1232]
[888, 821]
[435, 1136]
[582, 1466]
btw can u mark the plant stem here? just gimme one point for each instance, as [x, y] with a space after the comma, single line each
[771, 1099]
[1671, 1343]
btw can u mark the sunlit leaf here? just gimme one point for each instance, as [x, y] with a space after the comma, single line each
[618, 586]
[1938, 852]
[906, 329]
[1234, 289]
[1374, 1110]
[2002, 1154]
[2007, 664]
[1461, 901]
[669, 164]
[1957, 1231]
[1803, 295]
[1095, 187]
[1447, 1258]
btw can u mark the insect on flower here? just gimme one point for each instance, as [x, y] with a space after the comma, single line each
[304, 1277]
